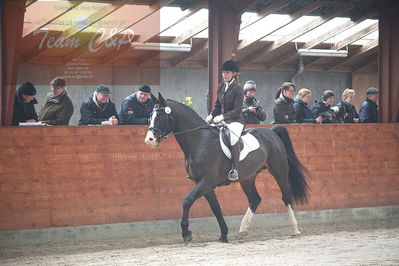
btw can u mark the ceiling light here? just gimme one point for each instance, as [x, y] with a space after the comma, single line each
[322, 52]
[174, 47]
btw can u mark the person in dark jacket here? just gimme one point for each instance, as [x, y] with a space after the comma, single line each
[303, 114]
[252, 110]
[24, 101]
[322, 107]
[98, 108]
[58, 107]
[136, 109]
[283, 109]
[228, 108]
[348, 98]
[369, 109]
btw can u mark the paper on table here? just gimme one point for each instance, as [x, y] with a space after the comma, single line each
[40, 123]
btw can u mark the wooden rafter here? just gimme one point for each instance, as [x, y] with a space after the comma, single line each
[283, 41]
[283, 22]
[356, 36]
[195, 50]
[42, 14]
[273, 7]
[286, 57]
[73, 30]
[147, 28]
[362, 50]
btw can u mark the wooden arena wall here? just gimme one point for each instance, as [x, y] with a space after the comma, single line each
[70, 175]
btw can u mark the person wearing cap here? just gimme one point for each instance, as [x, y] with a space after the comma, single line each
[303, 113]
[368, 112]
[322, 107]
[228, 108]
[348, 98]
[24, 101]
[136, 109]
[98, 108]
[252, 110]
[283, 109]
[57, 108]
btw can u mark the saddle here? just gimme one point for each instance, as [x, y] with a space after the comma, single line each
[247, 142]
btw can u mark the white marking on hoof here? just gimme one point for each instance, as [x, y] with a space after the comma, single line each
[246, 221]
[292, 220]
[296, 235]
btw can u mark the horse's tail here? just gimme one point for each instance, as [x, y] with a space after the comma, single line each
[296, 170]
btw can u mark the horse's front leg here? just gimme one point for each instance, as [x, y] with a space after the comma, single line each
[199, 190]
[215, 206]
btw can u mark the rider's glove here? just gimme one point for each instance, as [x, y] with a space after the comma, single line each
[208, 119]
[218, 119]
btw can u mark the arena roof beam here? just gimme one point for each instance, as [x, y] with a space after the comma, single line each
[286, 57]
[73, 30]
[354, 55]
[285, 40]
[283, 22]
[147, 28]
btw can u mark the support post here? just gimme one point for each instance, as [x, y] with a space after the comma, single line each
[12, 21]
[224, 26]
[388, 61]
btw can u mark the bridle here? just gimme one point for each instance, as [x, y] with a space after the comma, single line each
[169, 118]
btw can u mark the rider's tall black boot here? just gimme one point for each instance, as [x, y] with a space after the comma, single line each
[235, 160]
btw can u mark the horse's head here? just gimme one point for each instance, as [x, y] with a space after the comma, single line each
[162, 122]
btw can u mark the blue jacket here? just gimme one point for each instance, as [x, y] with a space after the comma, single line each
[303, 114]
[368, 112]
[135, 113]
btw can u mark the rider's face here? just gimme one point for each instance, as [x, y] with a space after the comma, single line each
[228, 75]
[143, 96]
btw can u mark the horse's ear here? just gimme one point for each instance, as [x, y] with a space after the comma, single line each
[161, 99]
[154, 99]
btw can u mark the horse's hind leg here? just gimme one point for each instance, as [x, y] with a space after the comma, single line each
[215, 206]
[254, 200]
[282, 181]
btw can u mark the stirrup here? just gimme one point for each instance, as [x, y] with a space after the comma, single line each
[233, 175]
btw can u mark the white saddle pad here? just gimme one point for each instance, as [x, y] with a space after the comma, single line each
[250, 144]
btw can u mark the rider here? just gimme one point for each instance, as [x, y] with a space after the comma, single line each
[228, 108]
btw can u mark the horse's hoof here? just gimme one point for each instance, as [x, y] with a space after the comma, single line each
[296, 235]
[243, 233]
[187, 238]
[223, 239]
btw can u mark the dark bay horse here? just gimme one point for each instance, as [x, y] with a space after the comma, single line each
[207, 166]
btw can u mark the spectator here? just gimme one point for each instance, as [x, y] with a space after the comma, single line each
[137, 108]
[283, 109]
[348, 98]
[24, 101]
[98, 108]
[58, 107]
[303, 114]
[322, 107]
[369, 109]
[253, 112]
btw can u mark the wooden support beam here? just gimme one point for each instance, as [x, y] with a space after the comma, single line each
[388, 61]
[354, 55]
[282, 23]
[281, 42]
[41, 13]
[73, 31]
[185, 56]
[356, 36]
[12, 19]
[286, 57]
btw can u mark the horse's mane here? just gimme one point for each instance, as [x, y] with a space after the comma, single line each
[194, 116]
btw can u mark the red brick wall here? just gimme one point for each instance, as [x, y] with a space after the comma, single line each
[65, 176]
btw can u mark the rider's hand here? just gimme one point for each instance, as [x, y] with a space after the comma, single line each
[208, 119]
[218, 119]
